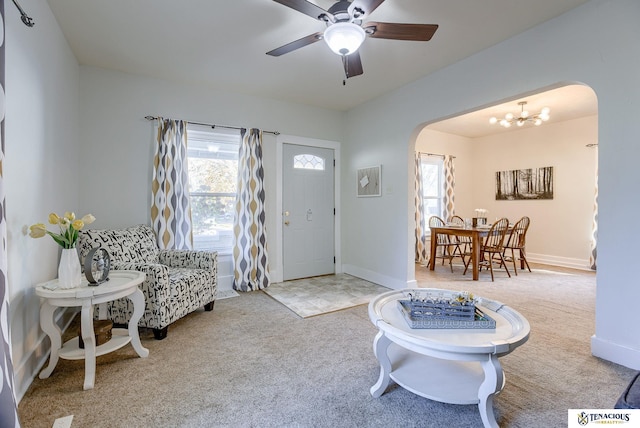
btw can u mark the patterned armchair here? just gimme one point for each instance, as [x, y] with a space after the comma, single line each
[177, 283]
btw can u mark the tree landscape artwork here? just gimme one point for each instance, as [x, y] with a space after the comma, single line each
[524, 184]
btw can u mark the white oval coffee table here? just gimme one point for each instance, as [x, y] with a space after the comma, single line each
[457, 366]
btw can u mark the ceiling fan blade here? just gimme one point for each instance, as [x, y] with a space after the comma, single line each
[306, 7]
[352, 65]
[388, 30]
[366, 6]
[297, 44]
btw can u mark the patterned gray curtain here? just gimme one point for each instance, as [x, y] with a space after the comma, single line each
[448, 206]
[594, 229]
[251, 266]
[421, 250]
[170, 207]
[8, 405]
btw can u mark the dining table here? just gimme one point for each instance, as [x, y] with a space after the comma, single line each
[476, 233]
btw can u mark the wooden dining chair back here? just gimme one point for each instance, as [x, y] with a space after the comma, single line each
[516, 242]
[462, 247]
[442, 242]
[492, 247]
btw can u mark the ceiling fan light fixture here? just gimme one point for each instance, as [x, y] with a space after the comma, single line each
[344, 38]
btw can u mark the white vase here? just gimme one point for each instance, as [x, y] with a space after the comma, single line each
[69, 272]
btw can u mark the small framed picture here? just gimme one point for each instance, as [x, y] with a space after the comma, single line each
[369, 182]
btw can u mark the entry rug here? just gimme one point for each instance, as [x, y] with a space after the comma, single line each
[323, 294]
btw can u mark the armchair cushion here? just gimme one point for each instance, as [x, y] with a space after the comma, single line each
[132, 245]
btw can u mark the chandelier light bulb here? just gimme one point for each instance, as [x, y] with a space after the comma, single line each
[524, 114]
[508, 116]
[493, 120]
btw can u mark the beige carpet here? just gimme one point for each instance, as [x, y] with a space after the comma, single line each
[252, 362]
[323, 294]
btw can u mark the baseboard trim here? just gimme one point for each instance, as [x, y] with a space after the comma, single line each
[566, 262]
[376, 278]
[225, 282]
[615, 353]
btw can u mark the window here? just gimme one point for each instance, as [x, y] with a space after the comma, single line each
[308, 162]
[213, 174]
[432, 169]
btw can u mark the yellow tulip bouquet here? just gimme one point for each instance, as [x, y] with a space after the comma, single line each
[68, 225]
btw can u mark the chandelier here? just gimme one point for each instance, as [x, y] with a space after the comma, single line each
[522, 118]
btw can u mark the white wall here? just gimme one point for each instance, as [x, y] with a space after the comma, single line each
[595, 44]
[40, 169]
[560, 232]
[118, 142]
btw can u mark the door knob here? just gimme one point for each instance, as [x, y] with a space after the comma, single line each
[286, 222]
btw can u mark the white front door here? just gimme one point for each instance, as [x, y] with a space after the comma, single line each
[308, 211]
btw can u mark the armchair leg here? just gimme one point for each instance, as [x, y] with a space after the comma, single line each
[160, 333]
[209, 306]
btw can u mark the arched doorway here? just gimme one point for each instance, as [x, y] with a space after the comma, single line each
[567, 142]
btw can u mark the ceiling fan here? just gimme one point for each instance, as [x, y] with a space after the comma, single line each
[346, 31]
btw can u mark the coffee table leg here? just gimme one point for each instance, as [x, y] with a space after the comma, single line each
[51, 329]
[493, 383]
[89, 338]
[380, 345]
[138, 309]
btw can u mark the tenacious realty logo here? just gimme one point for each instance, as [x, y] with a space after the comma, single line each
[585, 417]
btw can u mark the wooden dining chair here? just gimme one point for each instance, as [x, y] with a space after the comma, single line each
[462, 244]
[516, 241]
[492, 247]
[442, 242]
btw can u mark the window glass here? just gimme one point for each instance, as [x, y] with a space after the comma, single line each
[432, 187]
[213, 174]
[306, 161]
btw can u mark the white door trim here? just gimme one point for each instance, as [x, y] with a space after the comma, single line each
[277, 273]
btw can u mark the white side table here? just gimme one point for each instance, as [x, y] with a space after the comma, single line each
[122, 283]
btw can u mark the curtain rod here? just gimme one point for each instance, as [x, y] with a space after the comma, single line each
[435, 154]
[26, 19]
[214, 126]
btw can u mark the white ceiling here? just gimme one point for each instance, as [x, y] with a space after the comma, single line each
[566, 103]
[222, 44]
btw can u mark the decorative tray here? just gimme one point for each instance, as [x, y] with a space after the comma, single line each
[437, 312]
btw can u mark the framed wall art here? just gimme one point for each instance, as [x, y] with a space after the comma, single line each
[524, 184]
[369, 182]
